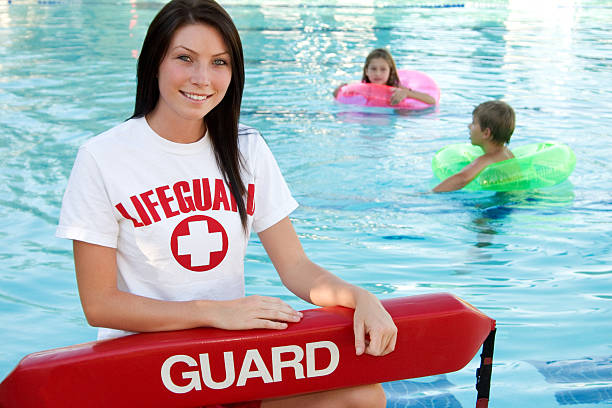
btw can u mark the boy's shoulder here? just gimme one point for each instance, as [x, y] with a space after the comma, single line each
[479, 163]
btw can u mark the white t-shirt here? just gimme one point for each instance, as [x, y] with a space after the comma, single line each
[166, 209]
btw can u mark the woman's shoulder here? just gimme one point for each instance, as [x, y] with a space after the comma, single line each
[245, 131]
[116, 139]
[249, 138]
[253, 148]
[115, 134]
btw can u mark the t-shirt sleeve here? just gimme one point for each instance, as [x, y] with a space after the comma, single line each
[87, 213]
[273, 200]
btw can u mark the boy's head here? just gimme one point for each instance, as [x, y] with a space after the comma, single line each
[498, 117]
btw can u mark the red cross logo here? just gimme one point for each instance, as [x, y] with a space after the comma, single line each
[199, 243]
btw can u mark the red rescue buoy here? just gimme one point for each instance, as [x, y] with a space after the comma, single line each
[438, 333]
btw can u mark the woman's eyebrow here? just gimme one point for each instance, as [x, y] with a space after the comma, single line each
[195, 52]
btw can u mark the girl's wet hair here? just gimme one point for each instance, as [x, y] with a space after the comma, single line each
[222, 121]
[386, 55]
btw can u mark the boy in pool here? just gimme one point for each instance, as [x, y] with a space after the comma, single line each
[491, 128]
[379, 68]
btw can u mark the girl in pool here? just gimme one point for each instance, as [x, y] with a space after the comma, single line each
[160, 207]
[379, 68]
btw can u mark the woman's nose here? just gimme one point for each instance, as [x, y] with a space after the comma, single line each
[200, 75]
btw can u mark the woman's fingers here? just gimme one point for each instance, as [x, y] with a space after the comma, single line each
[279, 315]
[381, 344]
[371, 320]
[269, 324]
[256, 312]
[360, 343]
[276, 309]
[388, 344]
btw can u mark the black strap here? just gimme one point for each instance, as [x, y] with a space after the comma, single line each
[483, 374]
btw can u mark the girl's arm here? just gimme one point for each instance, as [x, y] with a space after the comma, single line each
[320, 287]
[105, 305]
[338, 89]
[402, 93]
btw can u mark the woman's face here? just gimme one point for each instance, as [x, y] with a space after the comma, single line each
[194, 75]
[378, 71]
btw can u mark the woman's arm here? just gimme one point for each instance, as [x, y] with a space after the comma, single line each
[105, 305]
[401, 93]
[320, 287]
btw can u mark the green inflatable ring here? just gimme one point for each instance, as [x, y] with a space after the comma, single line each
[534, 166]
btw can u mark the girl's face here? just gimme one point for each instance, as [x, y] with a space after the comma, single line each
[378, 71]
[194, 75]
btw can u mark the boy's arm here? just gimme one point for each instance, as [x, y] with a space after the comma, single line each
[461, 179]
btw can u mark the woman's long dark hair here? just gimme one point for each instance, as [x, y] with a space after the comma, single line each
[222, 121]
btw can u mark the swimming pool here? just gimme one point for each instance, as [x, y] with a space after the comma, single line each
[538, 262]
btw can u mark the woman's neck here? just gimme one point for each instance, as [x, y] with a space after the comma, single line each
[177, 131]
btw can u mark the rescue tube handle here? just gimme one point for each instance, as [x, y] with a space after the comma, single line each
[483, 374]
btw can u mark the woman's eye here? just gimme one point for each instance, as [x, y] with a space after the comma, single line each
[185, 58]
[220, 62]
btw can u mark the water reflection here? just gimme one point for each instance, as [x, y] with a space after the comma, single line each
[492, 215]
[369, 116]
[365, 118]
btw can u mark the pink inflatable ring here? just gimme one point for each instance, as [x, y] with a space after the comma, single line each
[374, 95]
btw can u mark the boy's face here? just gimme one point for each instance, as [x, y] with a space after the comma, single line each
[477, 136]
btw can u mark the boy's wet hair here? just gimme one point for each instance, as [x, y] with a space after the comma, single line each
[497, 116]
[386, 55]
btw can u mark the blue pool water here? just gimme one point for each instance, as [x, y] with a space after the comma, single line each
[538, 262]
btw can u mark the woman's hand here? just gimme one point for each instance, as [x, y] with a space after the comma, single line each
[375, 332]
[254, 312]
